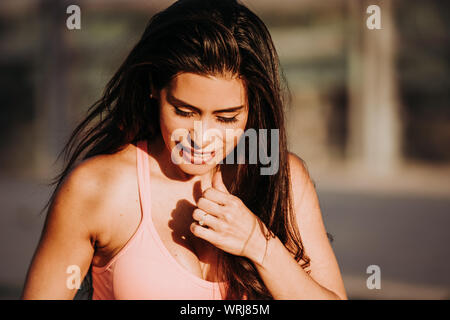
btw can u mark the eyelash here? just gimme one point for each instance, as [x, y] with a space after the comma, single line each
[191, 114]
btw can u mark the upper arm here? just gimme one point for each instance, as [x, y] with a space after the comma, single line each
[67, 239]
[323, 265]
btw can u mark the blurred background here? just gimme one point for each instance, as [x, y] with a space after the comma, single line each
[370, 116]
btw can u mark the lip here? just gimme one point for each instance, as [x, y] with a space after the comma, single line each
[196, 158]
[189, 148]
[196, 152]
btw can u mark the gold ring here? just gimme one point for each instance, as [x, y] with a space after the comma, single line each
[201, 222]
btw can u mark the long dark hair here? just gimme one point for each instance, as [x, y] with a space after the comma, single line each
[205, 37]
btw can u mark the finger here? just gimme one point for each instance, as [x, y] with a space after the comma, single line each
[210, 207]
[208, 220]
[207, 234]
[217, 182]
[217, 196]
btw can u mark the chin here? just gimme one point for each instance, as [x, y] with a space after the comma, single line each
[196, 169]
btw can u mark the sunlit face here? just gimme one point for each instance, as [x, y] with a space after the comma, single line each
[197, 115]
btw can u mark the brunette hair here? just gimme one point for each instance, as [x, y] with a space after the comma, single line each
[210, 38]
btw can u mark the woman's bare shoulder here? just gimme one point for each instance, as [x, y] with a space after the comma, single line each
[298, 170]
[302, 186]
[98, 187]
[97, 174]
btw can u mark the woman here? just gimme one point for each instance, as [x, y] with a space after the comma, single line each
[150, 226]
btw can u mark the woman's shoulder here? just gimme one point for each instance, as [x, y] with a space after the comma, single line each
[98, 187]
[105, 172]
[298, 168]
[300, 178]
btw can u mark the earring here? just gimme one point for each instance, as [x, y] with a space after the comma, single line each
[151, 95]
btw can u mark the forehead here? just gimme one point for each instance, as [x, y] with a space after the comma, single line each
[208, 92]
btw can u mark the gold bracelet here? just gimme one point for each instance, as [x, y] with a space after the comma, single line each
[270, 235]
[265, 252]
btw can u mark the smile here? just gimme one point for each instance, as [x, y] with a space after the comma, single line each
[194, 156]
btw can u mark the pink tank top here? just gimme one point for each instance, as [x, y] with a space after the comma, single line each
[144, 269]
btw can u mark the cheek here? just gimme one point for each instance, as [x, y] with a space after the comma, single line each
[169, 122]
[164, 116]
[232, 140]
[165, 126]
[241, 130]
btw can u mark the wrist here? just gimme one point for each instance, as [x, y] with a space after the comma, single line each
[257, 249]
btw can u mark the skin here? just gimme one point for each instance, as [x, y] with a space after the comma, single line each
[97, 210]
[205, 95]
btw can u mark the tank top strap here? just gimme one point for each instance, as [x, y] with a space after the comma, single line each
[143, 172]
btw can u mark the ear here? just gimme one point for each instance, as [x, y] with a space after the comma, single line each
[153, 93]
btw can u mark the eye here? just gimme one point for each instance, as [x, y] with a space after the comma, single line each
[227, 120]
[183, 113]
[191, 114]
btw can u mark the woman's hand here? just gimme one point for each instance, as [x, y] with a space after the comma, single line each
[227, 223]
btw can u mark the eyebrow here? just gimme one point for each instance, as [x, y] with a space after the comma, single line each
[180, 103]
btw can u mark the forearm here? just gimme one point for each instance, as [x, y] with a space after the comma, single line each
[282, 275]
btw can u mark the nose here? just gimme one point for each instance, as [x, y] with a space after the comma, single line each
[200, 137]
[193, 144]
